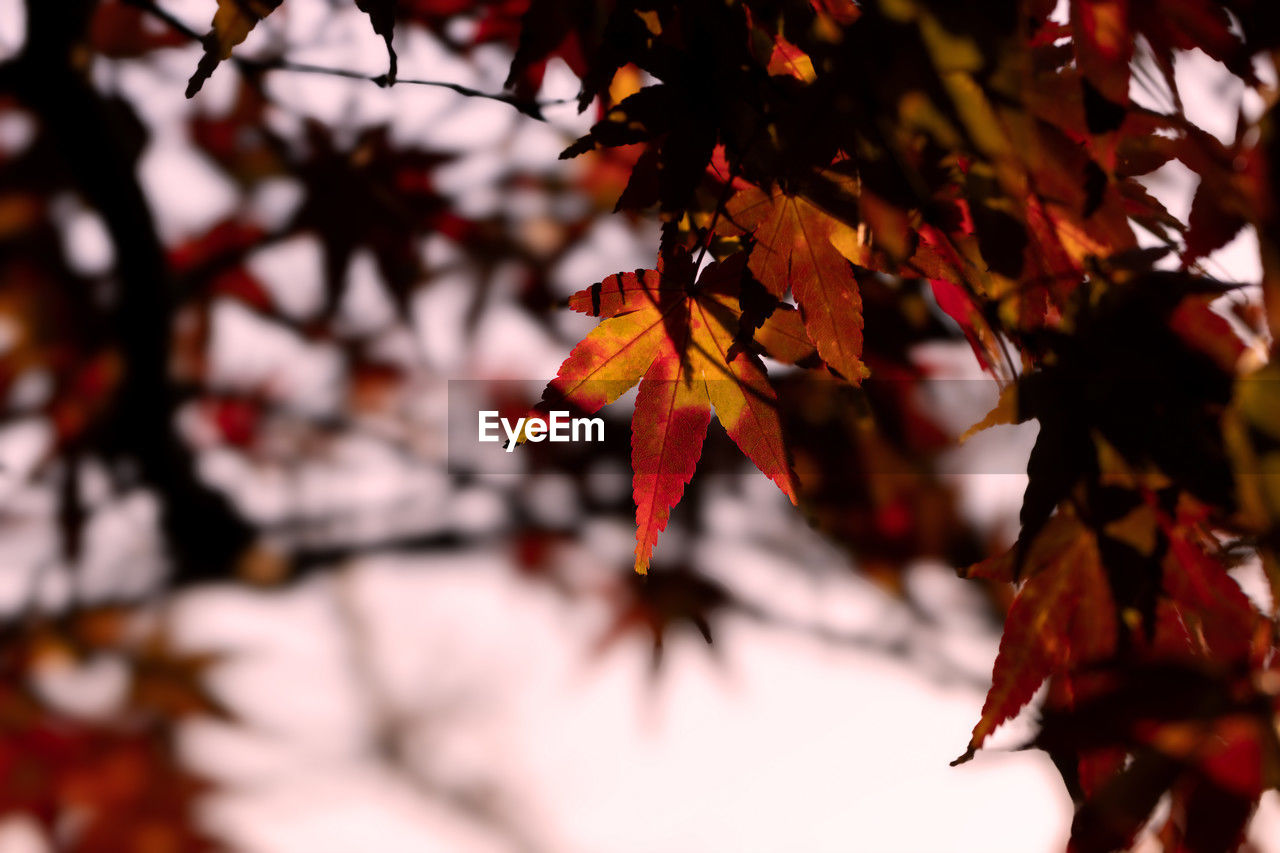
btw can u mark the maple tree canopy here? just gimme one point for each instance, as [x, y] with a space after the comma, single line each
[836, 182]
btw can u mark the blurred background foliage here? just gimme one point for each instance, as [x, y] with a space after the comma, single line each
[229, 326]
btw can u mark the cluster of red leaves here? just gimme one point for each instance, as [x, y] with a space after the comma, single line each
[825, 169]
[808, 150]
[814, 152]
[111, 781]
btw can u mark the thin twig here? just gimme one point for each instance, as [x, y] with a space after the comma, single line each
[715, 216]
[533, 109]
[727, 192]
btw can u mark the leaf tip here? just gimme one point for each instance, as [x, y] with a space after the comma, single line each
[1004, 413]
[194, 85]
[204, 70]
[789, 489]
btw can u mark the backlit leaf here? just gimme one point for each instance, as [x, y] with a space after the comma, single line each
[794, 252]
[683, 344]
[1063, 616]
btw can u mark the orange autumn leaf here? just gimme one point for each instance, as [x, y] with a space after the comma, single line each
[794, 251]
[1061, 617]
[783, 338]
[1104, 45]
[787, 59]
[682, 344]
[670, 422]
[1224, 623]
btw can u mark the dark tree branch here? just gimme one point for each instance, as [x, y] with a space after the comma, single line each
[204, 532]
[533, 109]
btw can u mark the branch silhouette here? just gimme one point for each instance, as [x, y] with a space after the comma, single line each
[530, 108]
[204, 531]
